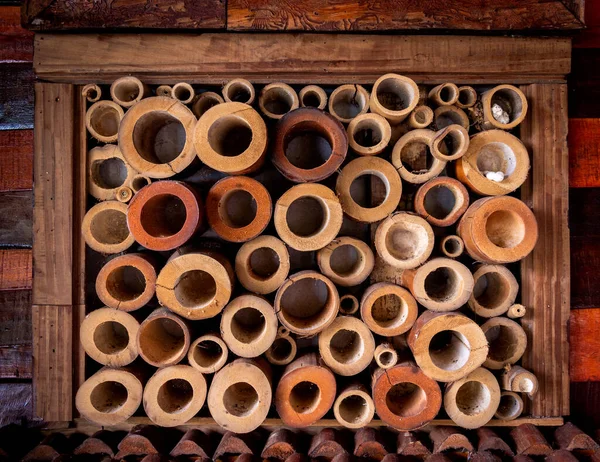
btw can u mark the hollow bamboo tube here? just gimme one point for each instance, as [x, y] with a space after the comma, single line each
[164, 215]
[238, 208]
[441, 201]
[306, 392]
[354, 407]
[174, 394]
[205, 101]
[489, 441]
[467, 97]
[156, 137]
[495, 291]
[329, 444]
[504, 107]
[277, 99]
[195, 285]
[163, 338]
[385, 355]
[441, 284]
[92, 92]
[346, 346]
[348, 101]
[307, 303]
[110, 396]
[313, 96]
[452, 246]
[309, 145]
[364, 166]
[262, 264]
[450, 143]
[240, 395]
[346, 261]
[104, 227]
[498, 229]
[405, 398]
[420, 117]
[183, 92]
[516, 311]
[283, 350]
[519, 380]
[445, 116]
[138, 182]
[124, 194]
[496, 163]
[569, 437]
[404, 240]
[510, 407]
[231, 138]
[308, 216]
[164, 90]
[388, 309]
[445, 94]
[107, 170]
[127, 91]
[472, 401]
[109, 337]
[208, 353]
[394, 97]
[369, 134]
[239, 91]
[529, 441]
[447, 346]
[102, 120]
[410, 157]
[349, 304]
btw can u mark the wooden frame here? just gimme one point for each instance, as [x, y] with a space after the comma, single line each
[539, 65]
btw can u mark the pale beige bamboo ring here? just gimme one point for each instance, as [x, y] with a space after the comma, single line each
[239, 91]
[511, 406]
[394, 97]
[495, 291]
[164, 90]
[472, 401]
[109, 337]
[138, 182]
[349, 304]
[445, 94]
[375, 166]
[491, 153]
[163, 338]
[420, 117]
[410, 157]
[231, 138]
[92, 92]
[442, 201]
[127, 91]
[283, 350]
[369, 134]
[107, 170]
[444, 116]
[313, 96]
[510, 101]
[104, 227]
[404, 240]
[346, 261]
[208, 353]
[102, 120]
[507, 342]
[262, 264]
[156, 137]
[205, 101]
[385, 355]
[347, 346]
[450, 143]
[467, 97]
[174, 394]
[124, 194]
[109, 397]
[348, 101]
[516, 311]
[277, 99]
[354, 407]
[388, 309]
[183, 92]
[452, 247]
[519, 380]
[308, 216]
[307, 303]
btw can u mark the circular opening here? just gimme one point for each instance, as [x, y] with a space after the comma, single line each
[449, 350]
[416, 157]
[161, 340]
[447, 93]
[240, 399]
[395, 95]
[195, 288]
[386, 358]
[126, 91]
[506, 105]
[502, 343]
[174, 395]
[109, 227]
[264, 263]
[449, 117]
[442, 284]
[105, 121]
[159, 137]
[125, 283]
[239, 92]
[420, 116]
[109, 173]
[207, 353]
[278, 101]
[139, 182]
[237, 209]
[305, 397]
[91, 94]
[368, 133]
[281, 349]
[304, 302]
[306, 216]
[348, 305]
[389, 310]
[353, 409]
[508, 407]
[306, 148]
[205, 103]
[109, 396]
[452, 246]
[491, 290]
[466, 97]
[229, 136]
[163, 215]
[505, 229]
[363, 187]
[406, 241]
[473, 398]
[496, 157]
[247, 325]
[346, 346]
[111, 337]
[345, 260]
[439, 202]
[526, 385]
[182, 93]
[451, 143]
[406, 399]
[348, 103]
[311, 99]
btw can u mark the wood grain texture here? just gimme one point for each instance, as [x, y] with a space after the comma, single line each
[315, 58]
[585, 344]
[53, 194]
[15, 317]
[16, 43]
[584, 214]
[15, 403]
[386, 15]
[584, 153]
[52, 362]
[15, 269]
[585, 402]
[590, 37]
[584, 83]
[545, 281]
[16, 96]
[16, 160]
[79, 198]
[15, 362]
[16, 219]
[40, 15]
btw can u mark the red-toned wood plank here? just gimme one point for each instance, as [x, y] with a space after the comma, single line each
[15, 362]
[16, 403]
[16, 43]
[15, 269]
[16, 160]
[585, 344]
[584, 153]
[590, 37]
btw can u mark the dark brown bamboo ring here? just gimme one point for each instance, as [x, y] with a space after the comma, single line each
[155, 215]
[302, 121]
[235, 227]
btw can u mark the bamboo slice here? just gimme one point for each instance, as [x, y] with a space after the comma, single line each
[507, 342]
[495, 291]
[143, 440]
[349, 304]
[441, 201]
[394, 97]
[107, 170]
[504, 107]
[328, 444]
[369, 134]
[280, 445]
[354, 408]
[277, 99]
[452, 247]
[519, 380]
[283, 350]
[348, 101]
[262, 264]
[193, 443]
[420, 117]
[516, 311]
[313, 96]
[92, 92]
[410, 157]
[450, 439]
[164, 90]
[445, 94]
[445, 116]
[127, 91]
[235, 445]
[388, 309]
[138, 182]
[208, 353]
[369, 444]
[529, 441]
[561, 455]
[346, 261]
[102, 120]
[467, 97]
[124, 194]
[205, 101]
[104, 228]
[183, 92]
[163, 338]
[101, 442]
[385, 355]
[239, 90]
[511, 406]
[450, 143]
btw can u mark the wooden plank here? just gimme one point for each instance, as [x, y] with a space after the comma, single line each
[15, 317]
[590, 37]
[15, 403]
[386, 15]
[16, 219]
[52, 362]
[79, 198]
[584, 153]
[585, 398]
[585, 344]
[585, 271]
[315, 58]
[53, 194]
[15, 269]
[584, 84]
[16, 160]
[584, 214]
[46, 15]
[15, 362]
[16, 43]
[545, 281]
[16, 96]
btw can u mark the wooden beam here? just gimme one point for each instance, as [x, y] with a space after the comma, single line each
[16, 160]
[16, 96]
[16, 219]
[585, 343]
[584, 153]
[16, 43]
[15, 362]
[15, 269]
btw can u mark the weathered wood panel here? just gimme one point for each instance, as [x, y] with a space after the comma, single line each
[584, 153]
[15, 402]
[15, 362]
[15, 317]
[585, 344]
[16, 96]
[15, 269]
[16, 219]
[585, 398]
[16, 43]
[590, 37]
[584, 84]
[16, 160]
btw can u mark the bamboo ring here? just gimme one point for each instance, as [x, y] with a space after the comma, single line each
[420, 117]
[164, 90]
[394, 97]
[107, 170]
[511, 406]
[445, 116]
[277, 99]
[369, 134]
[385, 355]
[183, 92]
[495, 291]
[103, 119]
[507, 342]
[354, 407]
[208, 353]
[283, 350]
[92, 92]
[452, 247]
[504, 107]
[239, 91]
[450, 143]
[138, 182]
[313, 96]
[520, 380]
[516, 311]
[411, 156]
[124, 194]
[348, 101]
[442, 201]
[445, 94]
[104, 227]
[349, 304]
[262, 264]
[127, 91]
[205, 101]
[388, 309]
[163, 338]
[467, 97]
[346, 261]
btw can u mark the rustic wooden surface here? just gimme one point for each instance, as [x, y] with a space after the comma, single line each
[584, 153]
[16, 159]
[16, 43]
[585, 343]
[15, 269]
[16, 219]
[16, 96]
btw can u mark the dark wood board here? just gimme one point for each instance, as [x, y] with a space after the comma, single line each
[584, 153]
[585, 398]
[584, 214]
[16, 160]
[15, 269]
[590, 37]
[584, 83]
[15, 362]
[585, 272]
[16, 219]
[585, 344]
[15, 402]
[16, 96]
[16, 43]
[15, 317]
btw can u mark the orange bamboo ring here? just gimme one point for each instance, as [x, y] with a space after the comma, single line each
[495, 291]
[410, 156]
[388, 309]
[508, 99]
[163, 338]
[442, 201]
[450, 143]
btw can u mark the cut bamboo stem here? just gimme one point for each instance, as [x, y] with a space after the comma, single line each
[346, 261]
[107, 170]
[420, 117]
[452, 246]
[489, 441]
[277, 99]
[388, 309]
[280, 445]
[138, 182]
[467, 97]
[164, 90]
[495, 291]
[348, 101]
[102, 120]
[313, 96]
[104, 228]
[328, 444]
[413, 159]
[349, 304]
[193, 444]
[504, 107]
[369, 134]
[516, 311]
[369, 443]
[163, 338]
[450, 143]
[445, 94]
[208, 353]
[183, 92]
[385, 355]
[394, 97]
[124, 194]
[450, 439]
[569, 437]
[92, 92]
[529, 441]
[507, 342]
[127, 91]
[239, 90]
[354, 408]
[205, 101]
[283, 350]
[445, 116]
[511, 406]
[262, 264]
[441, 201]
[519, 380]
